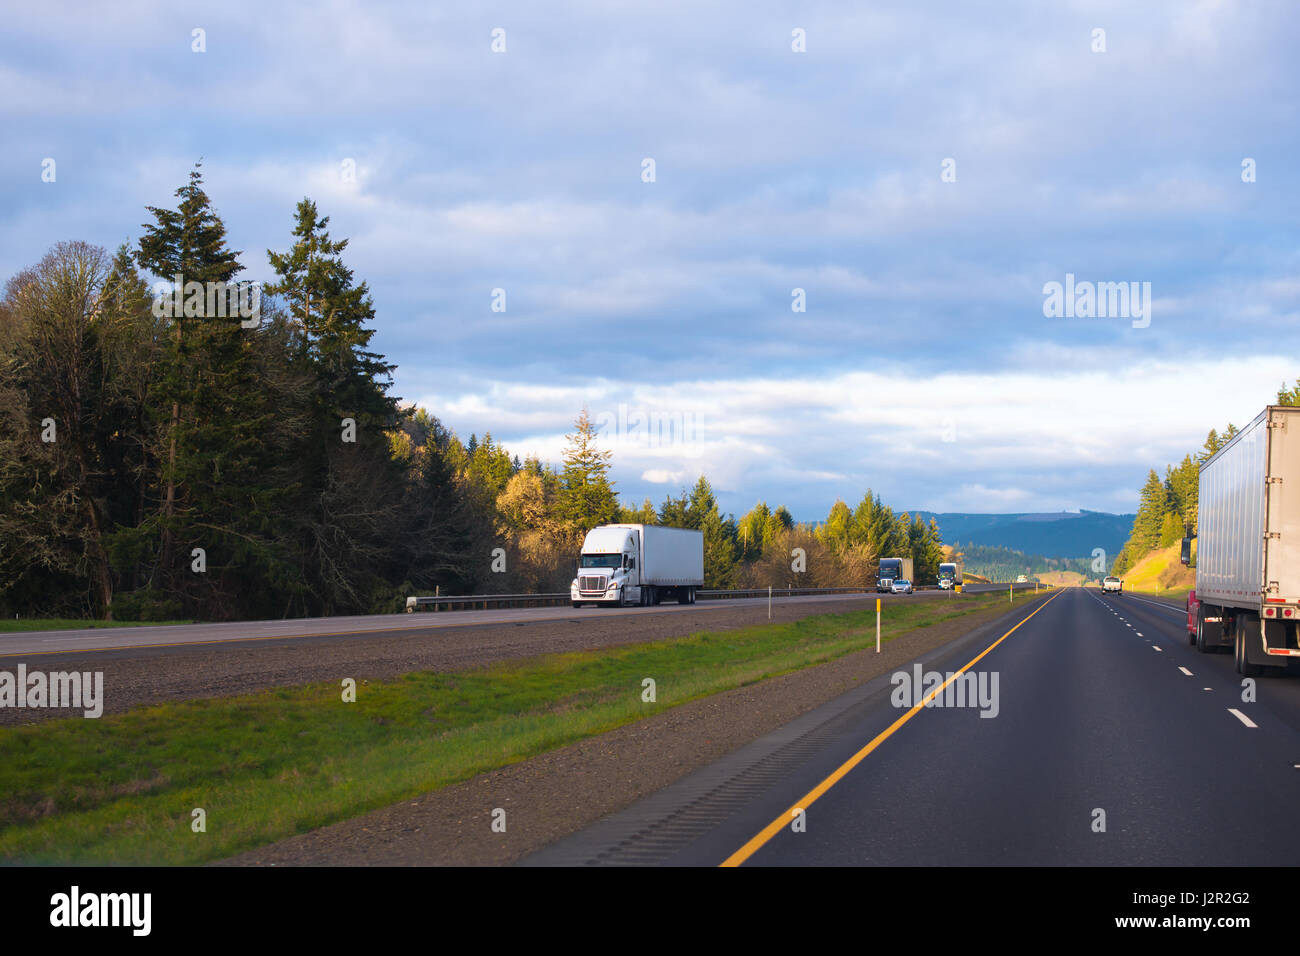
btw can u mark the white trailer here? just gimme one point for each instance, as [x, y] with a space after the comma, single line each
[1248, 544]
[623, 564]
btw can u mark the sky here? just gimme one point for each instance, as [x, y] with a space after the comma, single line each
[913, 175]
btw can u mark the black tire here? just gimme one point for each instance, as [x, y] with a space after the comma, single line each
[577, 604]
[1244, 667]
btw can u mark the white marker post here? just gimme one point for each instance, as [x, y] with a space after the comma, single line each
[877, 625]
[769, 602]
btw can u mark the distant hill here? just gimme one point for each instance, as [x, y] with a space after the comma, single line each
[1062, 534]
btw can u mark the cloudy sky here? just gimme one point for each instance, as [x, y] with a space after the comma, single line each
[920, 171]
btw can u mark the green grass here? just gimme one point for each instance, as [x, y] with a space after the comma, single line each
[71, 624]
[267, 765]
[1161, 574]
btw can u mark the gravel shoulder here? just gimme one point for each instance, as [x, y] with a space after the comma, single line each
[557, 793]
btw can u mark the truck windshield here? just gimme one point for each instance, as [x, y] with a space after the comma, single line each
[600, 561]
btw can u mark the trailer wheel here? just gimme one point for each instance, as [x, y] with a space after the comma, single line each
[1244, 667]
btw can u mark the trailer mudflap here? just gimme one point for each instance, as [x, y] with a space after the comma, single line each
[1277, 639]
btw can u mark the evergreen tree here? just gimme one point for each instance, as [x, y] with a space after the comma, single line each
[587, 494]
[189, 244]
[333, 313]
[753, 531]
[1171, 530]
[834, 532]
[673, 512]
[1152, 508]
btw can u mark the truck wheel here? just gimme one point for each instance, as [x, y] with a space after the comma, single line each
[1244, 667]
[577, 604]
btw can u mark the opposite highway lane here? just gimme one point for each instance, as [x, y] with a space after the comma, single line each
[1103, 708]
[101, 639]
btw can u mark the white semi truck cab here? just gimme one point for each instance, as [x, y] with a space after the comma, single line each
[638, 564]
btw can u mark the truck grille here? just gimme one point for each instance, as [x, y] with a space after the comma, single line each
[592, 583]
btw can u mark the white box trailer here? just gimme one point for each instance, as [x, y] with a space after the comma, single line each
[1248, 543]
[623, 564]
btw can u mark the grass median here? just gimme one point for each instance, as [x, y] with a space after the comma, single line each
[270, 764]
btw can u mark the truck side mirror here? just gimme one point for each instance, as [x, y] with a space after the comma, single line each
[1186, 556]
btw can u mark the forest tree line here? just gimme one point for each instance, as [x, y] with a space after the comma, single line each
[186, 463]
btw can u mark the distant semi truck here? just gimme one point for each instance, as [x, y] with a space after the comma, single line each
[625, 564]
[891, 570]
[1247, 593]
[949, 574]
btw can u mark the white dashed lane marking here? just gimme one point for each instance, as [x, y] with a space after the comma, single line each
[1240, 716]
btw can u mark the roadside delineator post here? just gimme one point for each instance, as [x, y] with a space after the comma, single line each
[877, 625]
[1010, 592]
[769, 602]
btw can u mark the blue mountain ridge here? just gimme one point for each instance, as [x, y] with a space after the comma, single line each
[1062, 534]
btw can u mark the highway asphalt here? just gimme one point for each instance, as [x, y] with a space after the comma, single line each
[1114, 743]
[124, 638]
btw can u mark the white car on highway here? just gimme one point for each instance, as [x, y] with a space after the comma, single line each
[901, 586]
[1112, 585]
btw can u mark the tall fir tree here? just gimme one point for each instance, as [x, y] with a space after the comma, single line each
[587, 494]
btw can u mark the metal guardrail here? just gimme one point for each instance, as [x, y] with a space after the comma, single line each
[469, 602]
[483, 601]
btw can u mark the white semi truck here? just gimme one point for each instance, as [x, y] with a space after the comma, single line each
[949, 574]
[624, 564]
[1248, 544]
